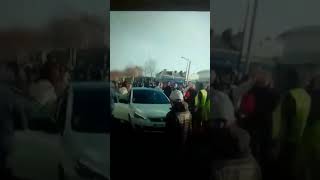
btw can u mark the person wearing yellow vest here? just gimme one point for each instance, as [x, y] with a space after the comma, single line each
[289, 127]
[311, 136]
[201, 113]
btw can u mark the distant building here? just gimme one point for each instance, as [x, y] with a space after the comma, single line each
[204, 76]
[301, 45]
[166, 75]
[300, 52]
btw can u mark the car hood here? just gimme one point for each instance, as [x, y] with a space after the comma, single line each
[152, 110]
[94, 152]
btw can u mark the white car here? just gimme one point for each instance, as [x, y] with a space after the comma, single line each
[143, 108]
[85, 139]
[36, 145]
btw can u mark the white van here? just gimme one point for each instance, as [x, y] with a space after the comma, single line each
[75, 146]
[85, 137]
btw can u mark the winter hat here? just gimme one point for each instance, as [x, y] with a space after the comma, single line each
[222, 107]
[176, 95]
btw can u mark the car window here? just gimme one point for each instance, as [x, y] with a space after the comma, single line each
[91, 110]
[149, 97]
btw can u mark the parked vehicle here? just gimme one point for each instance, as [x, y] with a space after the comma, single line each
[144, 109]
[84, 116]
[73, 145]
[36, 148]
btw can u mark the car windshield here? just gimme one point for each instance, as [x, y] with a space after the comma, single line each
[91, 110]
[149, 97]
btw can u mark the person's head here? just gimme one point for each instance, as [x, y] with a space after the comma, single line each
[263, 78]
[207, 87]
[176, 96]
[190, 84]
[231, 144]
[51, 71]
[222, 112]
[175, 85]
[213, 76]
[124, 84]
[129, 86]
[293, 79]
[200, 86]
[168, 83]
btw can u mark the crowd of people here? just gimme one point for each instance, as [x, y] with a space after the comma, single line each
[27, 91]
[224, 129]
[246, 130]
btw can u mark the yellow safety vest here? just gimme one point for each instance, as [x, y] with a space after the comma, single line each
[303, 103]
[304, 164]
[203, 105]
[203, 100]
[277, 123]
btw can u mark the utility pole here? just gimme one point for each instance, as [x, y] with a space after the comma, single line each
[188, 71]
[189, 64]
[253, 21]
[244, 30]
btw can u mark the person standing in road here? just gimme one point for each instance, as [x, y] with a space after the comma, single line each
[231, 156]
[167, 89]
[178, 130]
[159, 86]
[289, 124]
[201, 112]
[311, 136]
[258, 105]
[129, 86]
[44, 90]
[190, 96]
[123, 90]
[178, 120]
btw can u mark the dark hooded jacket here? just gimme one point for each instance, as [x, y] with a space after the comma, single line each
[178, 123]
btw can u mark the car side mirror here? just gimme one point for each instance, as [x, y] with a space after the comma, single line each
[45, 124]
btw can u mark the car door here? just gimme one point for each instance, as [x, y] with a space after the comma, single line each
[35, 153]
[121, 109]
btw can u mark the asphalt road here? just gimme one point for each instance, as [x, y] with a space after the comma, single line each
[146, 156]
[150, 156]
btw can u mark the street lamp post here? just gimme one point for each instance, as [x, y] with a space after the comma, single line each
[189, 64]
[251, 33]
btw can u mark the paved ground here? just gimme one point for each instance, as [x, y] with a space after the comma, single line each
[144, 156]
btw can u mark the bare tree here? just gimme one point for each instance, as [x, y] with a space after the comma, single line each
[150, 67]
[133, 71]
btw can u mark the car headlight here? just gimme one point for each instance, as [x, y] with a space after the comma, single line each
[86, 172]
[138, 116]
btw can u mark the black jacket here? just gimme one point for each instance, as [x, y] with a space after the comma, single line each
[178, 123]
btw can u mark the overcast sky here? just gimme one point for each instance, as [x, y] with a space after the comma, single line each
[164, 36]
[273, 17]
[37, 13]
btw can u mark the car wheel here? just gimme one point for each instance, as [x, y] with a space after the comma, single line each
[61, 173]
